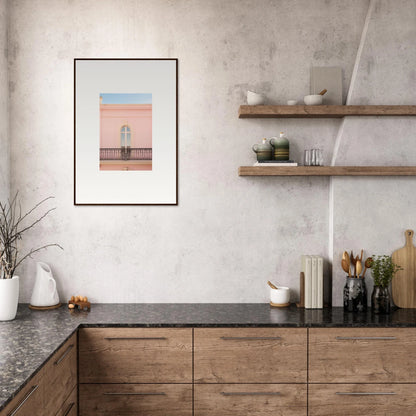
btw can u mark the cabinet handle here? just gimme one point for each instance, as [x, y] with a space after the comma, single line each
[32, 390]
[365, 338]
[135, 394]
[366, 394]
[251, 393]
[249, 338]
[68, 409]
[64, 354]
[132, 338]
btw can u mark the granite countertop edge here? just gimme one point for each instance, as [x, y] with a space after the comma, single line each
[33, 337]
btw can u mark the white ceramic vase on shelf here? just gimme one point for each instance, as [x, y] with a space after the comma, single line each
[9, 297]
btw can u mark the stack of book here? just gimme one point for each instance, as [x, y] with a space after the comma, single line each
[312, 268]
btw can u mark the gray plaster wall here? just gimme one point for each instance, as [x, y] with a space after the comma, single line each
[373, 213]
[229, 234]
[4, 107]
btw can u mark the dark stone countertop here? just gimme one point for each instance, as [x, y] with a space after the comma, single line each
[27, 342]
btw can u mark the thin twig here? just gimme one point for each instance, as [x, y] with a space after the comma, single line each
[32, 251]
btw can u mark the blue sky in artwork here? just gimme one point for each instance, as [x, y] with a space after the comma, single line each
[126, 98]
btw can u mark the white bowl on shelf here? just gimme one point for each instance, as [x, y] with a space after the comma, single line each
[315, 99]
[254, 98]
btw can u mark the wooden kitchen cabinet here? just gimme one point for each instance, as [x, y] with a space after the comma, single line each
[250, 355]
[362, 355]
[60, 375]
[135, 355]
[29, 401]
[135, 399]
[250, 399]
[70, 406]
[362, 399]
[47, 392]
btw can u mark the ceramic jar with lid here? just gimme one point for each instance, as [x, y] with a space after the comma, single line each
[280, 147]
[263, 150]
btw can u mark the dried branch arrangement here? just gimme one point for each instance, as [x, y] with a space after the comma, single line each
[13, 224]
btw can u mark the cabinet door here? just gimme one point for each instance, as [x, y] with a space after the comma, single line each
[135, 355]
[60, 376]
[362, 355]
[70, 406]
[29, 401]
[250, 399]
[362, 399]
[135, 399]
[250, 355]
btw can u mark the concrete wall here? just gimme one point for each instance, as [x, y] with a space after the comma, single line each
[4, 108]
[229, 234]
[373, 213]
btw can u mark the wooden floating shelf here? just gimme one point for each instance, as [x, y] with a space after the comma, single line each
[323, 111]
[327, 171]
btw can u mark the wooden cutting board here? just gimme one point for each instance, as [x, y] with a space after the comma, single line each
[404, 282]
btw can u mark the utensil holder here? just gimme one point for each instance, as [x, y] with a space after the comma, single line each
[355, 294]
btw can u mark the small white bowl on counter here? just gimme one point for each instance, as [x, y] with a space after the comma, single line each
[280, 297]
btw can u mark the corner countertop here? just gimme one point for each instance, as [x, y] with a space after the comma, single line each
[27, 342]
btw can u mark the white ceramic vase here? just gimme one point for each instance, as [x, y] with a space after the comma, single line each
[9, 297]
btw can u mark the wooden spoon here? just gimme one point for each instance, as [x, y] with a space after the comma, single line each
[359, 267]
[323, 92]
[346, 266]
[352, 258]
[271, 285]
[368, 263]
[356, 260]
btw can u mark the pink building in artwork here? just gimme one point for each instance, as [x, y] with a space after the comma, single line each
[125, 136]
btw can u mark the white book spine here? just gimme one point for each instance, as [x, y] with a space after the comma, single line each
[320, 283]
[314, 282]
[307, 270]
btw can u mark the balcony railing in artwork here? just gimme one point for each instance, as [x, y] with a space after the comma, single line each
[125, 153]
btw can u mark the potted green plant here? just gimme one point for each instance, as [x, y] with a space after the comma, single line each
[13, 225]
[383, 270]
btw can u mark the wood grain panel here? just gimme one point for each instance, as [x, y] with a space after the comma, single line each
[404, 283]
[29, 401]
[327, 171]
[250, 355]
[60, 375]
[70, 406]
[362, 399]
[135, 355]
[133, 399]
[250, 399]
[362, 355]
[323, 111]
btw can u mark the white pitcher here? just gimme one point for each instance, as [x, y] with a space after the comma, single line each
[44, 291]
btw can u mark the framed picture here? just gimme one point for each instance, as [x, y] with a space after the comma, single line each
[125, 131]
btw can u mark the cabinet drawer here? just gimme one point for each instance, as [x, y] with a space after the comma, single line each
[250, 399]
[250, 355]
[362, 355]
[70, 406]
[29, 401]
[60, 376]
[133, 399]
[362, 399]
[135, 355]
